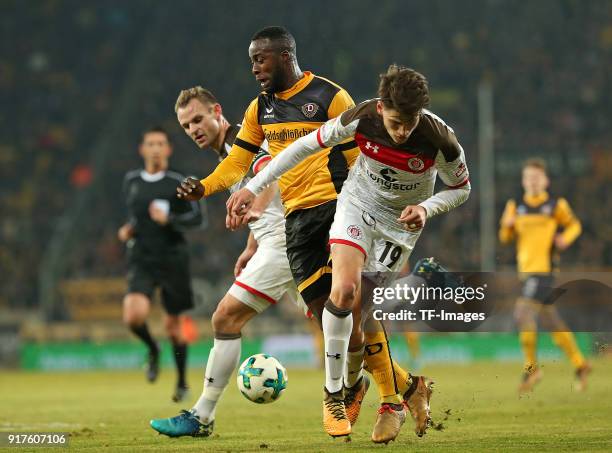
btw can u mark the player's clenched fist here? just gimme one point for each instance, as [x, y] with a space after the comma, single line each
[190, 189]
[413, 217]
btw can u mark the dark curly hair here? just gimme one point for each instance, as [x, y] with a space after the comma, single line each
[403, 89]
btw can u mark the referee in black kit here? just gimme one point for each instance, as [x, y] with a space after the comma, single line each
[158, 255]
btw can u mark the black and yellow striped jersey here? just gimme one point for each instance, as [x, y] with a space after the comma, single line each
[536, 222]
[282, 118]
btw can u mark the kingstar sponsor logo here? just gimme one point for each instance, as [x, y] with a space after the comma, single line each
[389, 182]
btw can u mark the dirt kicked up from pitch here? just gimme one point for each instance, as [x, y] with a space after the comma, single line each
[474, 408]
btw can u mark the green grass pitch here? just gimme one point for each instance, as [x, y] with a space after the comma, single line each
[475, 408]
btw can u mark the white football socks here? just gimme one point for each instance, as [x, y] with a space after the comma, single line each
[222, 361]
[337, 332]
[354, 367]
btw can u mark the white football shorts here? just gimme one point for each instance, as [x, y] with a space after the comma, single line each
[386, 249]
[267, 277]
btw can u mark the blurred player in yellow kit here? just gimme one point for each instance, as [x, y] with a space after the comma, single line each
[543, 226]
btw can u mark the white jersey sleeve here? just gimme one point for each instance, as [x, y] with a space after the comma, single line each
[455, 175]
[329, 134]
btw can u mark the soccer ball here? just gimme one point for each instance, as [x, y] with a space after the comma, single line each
[262, 379]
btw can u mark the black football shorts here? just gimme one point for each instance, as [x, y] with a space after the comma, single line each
[540, 288]
[170, 272]
[307, 232]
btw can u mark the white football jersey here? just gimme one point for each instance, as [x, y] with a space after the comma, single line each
[387, 176]
[272, 221]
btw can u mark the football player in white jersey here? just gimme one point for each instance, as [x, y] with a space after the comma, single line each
[255, 288]
[385, 201]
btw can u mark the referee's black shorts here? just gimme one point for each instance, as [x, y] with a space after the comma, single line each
[170, 272]
[307, 232]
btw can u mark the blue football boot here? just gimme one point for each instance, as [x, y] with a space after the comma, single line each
[185, 424]
[435, 274]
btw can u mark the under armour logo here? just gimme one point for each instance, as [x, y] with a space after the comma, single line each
[369, 146]
[210, 380]
[335, 356]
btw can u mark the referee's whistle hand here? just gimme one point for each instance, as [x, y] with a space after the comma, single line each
[190, 189]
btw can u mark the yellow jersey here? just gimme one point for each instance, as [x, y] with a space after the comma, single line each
[537, 220]
[280, 119]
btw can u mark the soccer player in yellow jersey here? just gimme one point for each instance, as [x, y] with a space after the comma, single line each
[292, 104]
[533, 221]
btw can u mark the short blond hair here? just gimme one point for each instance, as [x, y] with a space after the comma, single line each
[535, 162]
[197, 92]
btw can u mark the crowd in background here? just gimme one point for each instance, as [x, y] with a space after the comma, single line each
[63, 65]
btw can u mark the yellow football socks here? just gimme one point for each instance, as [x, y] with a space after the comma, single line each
[528, 341]
[412, 340]
[378, 362]
[567, 342]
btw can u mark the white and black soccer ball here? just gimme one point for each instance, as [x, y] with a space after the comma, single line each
[262, 379]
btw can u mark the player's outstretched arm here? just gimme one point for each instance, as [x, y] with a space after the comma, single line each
[240, 202]
[245, 148]
[191, 189]
[258, 205]
[329, 134]
[229, 171]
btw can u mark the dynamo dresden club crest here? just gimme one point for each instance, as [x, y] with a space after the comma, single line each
[309, 110]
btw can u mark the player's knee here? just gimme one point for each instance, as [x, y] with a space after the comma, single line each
[135, 309]
[225, 320]
[524, 314]
[133, 317]
[344, 294]
[173, 327]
